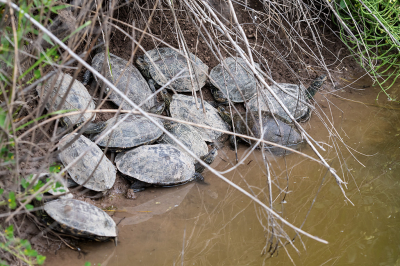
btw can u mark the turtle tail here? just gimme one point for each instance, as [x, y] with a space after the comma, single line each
[315, 85]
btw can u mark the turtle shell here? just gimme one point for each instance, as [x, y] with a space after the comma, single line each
[126, 78]
[275, 130]
[184, 107]
[104, 176]
[189, 136]
[81, 219]
[166, 63]
[291, 95]
[78, 98]
[134, 131]
[160, 164]
[243, 78]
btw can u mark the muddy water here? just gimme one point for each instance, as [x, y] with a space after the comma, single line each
[216, 225]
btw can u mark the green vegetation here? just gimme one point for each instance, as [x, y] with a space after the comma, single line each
[374, 37]
[20, 248]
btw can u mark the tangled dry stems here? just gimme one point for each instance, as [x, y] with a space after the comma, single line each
[35, 146]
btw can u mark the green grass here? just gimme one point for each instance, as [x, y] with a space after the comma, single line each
[374, 38]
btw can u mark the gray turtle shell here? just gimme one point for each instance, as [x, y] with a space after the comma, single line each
[134, 131]
[189, 136]
[184, 107]
[160, 164]
[168, 63]
[104, 176]
[292, 96]
[80, 218]
[244, 77]
[129, 79]
[77, 98]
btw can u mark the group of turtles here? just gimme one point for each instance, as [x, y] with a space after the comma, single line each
[146, 155]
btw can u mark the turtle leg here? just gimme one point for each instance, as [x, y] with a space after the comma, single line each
[94, 128]
[305, 117]
[138, 186]
[199, 179]
[99, 195]
[152, 85]
[87, 77]
[199, 168]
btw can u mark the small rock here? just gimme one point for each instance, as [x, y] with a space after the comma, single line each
[130, 194]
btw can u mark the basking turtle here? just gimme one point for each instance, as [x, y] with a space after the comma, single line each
[126, 78]
[134, 131]
[274, 129]
[102, 178]
[163, 64]
[293, 96]
[189, 136]
[79, 219]
[78, 98]
[160, 164]
[184, 108]
[240, 88]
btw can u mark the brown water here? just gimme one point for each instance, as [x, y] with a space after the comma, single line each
[216, 225]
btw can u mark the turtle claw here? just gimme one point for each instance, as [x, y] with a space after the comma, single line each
[199, 179]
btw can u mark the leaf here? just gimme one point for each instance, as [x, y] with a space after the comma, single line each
[40, 259]
[37, 74]
[55, 168]
[55, 8]
[25, 243]
[47, 39]
[77, 30]
[3, 117]
[39, 197]
[29, 206]
[1, 191]
[31, 252]
[11, 200]
[10, 232]
[87, 263]
[24, 183]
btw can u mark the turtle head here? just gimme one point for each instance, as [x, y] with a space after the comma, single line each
[225, 115]
[209, 157]
[166, 97]
[142, 66]
[169, 125]
[315, 85]
[157, 109]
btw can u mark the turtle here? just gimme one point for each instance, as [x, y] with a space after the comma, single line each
[239, 83]
[188, 135]
[104, 174]
[80, 219]
[134, 131]
[159, 164]
[163, 64]
[77, 98]
[184, 108]
[275, 130]
[294, 97]
[126, 77]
